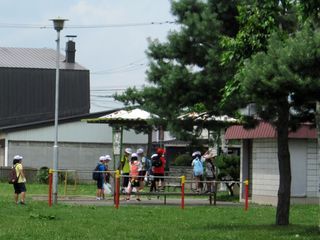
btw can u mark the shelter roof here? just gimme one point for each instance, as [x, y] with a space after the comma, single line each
[124, 116]
[266, 130]
[205, 116]
[48, 122]
[134, 114]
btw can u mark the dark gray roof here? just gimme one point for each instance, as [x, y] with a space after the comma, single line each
[79, 117]
[39, 58]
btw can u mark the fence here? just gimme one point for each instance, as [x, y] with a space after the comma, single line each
[171, 181]
[30, 173]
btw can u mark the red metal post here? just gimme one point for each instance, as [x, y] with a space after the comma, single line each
[117, 190]
[50, 188]
[246, 182]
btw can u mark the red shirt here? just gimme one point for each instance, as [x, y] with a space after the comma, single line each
[160, 169]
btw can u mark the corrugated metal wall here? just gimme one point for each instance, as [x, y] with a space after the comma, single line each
[28, 95]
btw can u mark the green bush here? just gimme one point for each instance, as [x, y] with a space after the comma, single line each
[228, 170]
[43, 175]
[183, 160]
[229, 167]
[71, 177]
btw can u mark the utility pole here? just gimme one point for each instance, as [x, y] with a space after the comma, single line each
[58, 26]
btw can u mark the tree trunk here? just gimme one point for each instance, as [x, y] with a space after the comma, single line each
[284, 191]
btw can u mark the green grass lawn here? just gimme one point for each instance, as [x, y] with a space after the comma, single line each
[37, 221]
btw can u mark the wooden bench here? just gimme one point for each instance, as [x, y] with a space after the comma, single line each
[174, 187]
[212, 196]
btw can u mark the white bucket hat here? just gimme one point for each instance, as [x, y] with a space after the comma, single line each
[140, 151]
[17, 157]
[154, 156]
[196, 153]
[128, 150]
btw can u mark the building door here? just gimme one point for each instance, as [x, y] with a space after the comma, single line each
[298, 157]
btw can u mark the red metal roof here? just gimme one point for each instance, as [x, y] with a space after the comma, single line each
[266, 130]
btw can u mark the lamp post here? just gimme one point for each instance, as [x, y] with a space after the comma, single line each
[58, 26]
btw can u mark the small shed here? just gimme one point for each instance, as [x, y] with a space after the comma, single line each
[259, 162]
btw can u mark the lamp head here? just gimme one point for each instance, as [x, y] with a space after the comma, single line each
[58, 23]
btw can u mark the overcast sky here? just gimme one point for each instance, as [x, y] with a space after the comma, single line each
[114, 55]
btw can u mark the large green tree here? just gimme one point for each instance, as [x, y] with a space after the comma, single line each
[186, 72]
[282, 79]
[284, 83]
[227, 54]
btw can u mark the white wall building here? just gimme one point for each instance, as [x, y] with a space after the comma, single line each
[80, 144]
[259, 163]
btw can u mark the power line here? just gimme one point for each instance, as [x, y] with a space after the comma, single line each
[40, 26]
[108, 102]
[102, 96]
[128, 69]
[105, 101]
[122, 25]
[133, 63]
[104, 89]
[102, 106]
[108, 90]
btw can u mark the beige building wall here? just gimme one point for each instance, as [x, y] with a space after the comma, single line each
[305, 166]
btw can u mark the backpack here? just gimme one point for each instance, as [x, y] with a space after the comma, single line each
[13, 178]
[95, 174]
[148, 164]
[156, 162]
[198, 167]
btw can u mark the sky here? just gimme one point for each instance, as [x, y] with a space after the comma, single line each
[112, 37]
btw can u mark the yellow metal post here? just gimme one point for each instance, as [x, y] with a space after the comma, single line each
[183, 180]
[65, 182]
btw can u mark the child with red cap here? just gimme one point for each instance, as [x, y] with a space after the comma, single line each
[158, 165]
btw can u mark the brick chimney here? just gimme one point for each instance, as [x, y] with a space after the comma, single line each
[70, 49]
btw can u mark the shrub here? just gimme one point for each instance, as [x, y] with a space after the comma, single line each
[183, 160]
[71, 177]
[43, 175]
[229, 169]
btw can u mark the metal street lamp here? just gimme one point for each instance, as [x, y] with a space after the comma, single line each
[58, 26]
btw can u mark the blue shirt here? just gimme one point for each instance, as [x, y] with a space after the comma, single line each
[102, 168]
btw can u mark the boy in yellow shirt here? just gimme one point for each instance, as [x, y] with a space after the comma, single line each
[19, 186]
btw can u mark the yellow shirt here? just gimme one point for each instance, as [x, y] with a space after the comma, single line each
[19, 169]
[125, 164]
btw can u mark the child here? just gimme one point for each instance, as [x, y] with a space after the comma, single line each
[153, 186]
[197, 169]
[134, 175]
[209, 156]
[107, 187]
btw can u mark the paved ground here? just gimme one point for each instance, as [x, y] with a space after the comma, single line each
[82, 200]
